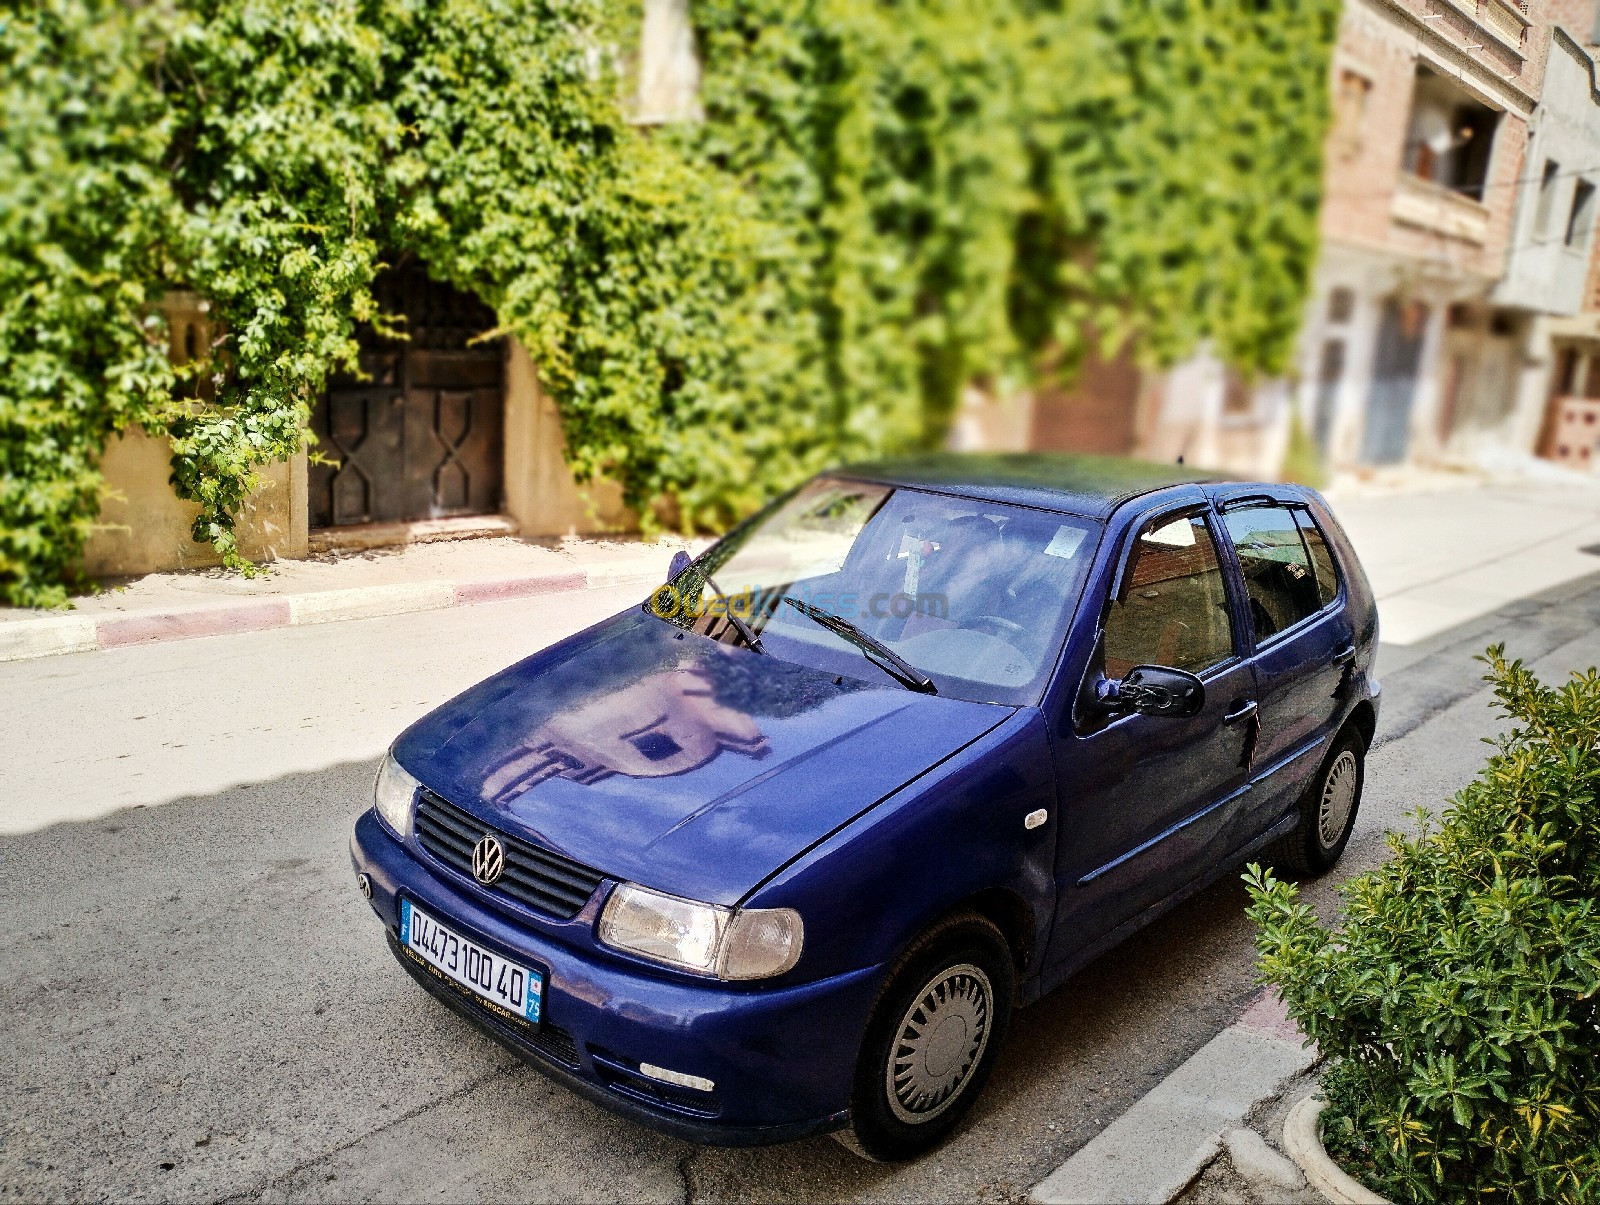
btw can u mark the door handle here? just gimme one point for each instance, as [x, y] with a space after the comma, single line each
[1240, 711]
[1345, 655]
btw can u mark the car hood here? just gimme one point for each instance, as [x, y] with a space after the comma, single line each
[670, 760]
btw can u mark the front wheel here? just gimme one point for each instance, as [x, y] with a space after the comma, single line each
[931, 1041]
[1327, 812]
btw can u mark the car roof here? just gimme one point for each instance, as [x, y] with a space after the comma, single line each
[1078, 484]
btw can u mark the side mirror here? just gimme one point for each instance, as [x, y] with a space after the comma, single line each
[681, 560]
[1155, 690]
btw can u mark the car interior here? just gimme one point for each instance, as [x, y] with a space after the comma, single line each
[1172, 609]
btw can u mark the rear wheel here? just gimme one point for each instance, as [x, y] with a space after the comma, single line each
[1327, 812]
[931, 1041]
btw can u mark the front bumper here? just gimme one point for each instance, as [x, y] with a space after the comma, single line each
[782, 1059]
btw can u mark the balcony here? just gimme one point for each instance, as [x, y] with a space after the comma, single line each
[1440, 209]
[1503, 20]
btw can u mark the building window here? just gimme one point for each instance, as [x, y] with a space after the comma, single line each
[1547, 198]
[1341, 305]
[1450, 135]
[1567, 371]
[1581, 220]
[1238, 399]
[1350, 110]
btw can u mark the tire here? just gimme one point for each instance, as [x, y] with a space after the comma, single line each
[913, 1088]
[1327, 811]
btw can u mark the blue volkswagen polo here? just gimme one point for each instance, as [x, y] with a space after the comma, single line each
[778, 851]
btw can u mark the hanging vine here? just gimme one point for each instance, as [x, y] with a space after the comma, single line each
[886, 202]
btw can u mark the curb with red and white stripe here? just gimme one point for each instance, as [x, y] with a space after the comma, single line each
[49, 636]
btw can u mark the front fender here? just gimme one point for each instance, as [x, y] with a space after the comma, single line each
[954, 836]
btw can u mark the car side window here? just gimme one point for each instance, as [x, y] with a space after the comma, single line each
[1172, 607]
[1321, 557]
[1278, 578]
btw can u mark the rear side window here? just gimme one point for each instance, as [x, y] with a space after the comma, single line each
[1278, 577]
[1322, 562]
[1172, 609]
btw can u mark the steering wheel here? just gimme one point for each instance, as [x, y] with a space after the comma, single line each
[998, 625]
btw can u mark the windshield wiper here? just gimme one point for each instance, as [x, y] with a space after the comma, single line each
[871, 648]
[746, 632]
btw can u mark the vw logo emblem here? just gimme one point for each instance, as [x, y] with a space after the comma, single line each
[488, 860]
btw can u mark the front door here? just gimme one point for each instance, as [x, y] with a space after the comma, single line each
[1394, 381]
[421, 436]
[1330, 376]
[1145, 800]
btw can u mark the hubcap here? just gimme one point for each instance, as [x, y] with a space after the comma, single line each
[1338, 798]
[939, 1044]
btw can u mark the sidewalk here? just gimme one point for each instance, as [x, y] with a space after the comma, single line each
[363, 585]
[1439, 548]
[1459, 547]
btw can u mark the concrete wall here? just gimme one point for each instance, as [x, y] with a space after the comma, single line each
[1184, 412]
[144, 528]
[541, 494]
[1580, 18]
[989, 423]
[1544, 271]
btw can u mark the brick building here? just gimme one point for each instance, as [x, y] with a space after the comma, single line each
[1452, 318]
[1406, 354]
[1561, 264]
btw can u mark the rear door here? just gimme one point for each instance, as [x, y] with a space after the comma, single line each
[1301, 643]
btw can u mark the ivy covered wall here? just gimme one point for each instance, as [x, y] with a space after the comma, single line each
[885, 202]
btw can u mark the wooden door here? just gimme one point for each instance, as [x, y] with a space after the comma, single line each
[422, 436]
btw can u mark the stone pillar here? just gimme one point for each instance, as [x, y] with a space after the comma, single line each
[541, 494]
[669, 71]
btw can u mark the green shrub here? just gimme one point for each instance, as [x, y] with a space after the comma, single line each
[1459, 1002]
[83, 202]
[886, 202]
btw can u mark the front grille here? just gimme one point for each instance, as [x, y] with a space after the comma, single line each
[556, 1043]
[544, 881]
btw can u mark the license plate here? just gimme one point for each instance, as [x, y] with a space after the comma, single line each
[507, 987]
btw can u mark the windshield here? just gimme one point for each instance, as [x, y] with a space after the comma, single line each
[976, 595]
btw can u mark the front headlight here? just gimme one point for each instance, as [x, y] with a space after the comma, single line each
[730, 943]
[393, 795]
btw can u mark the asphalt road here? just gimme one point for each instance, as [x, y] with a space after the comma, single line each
[199, 1004]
